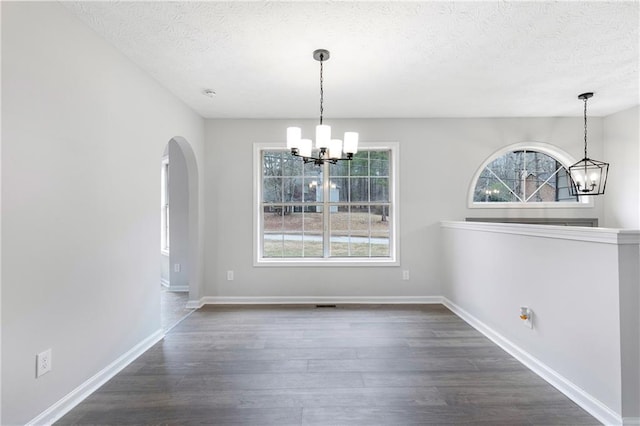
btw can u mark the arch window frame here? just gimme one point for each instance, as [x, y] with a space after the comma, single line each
[552, 151]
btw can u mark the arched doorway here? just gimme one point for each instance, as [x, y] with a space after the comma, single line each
[179, 236]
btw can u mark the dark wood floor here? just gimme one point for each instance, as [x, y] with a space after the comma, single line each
[350, 365]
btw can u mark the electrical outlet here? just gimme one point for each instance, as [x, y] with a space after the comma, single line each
[405, 275]
[229, 275]
[43, 363]
[526, 315]
[176, 267]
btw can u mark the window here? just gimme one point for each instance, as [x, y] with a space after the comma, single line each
[164, 206]
[524, 175]
[341, 213]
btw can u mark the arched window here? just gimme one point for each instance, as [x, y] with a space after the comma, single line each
[524, 175]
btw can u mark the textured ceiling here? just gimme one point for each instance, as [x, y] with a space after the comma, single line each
[388, 59]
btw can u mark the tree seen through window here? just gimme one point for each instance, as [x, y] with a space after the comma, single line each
[523, 176]
[329, 211]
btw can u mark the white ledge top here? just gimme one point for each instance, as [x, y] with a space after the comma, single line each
[577, 233]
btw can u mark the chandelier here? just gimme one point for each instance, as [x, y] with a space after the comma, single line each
[326, 149]
[588, 177]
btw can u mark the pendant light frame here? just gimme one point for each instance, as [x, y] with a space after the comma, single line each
[587, 176]
[329, 150]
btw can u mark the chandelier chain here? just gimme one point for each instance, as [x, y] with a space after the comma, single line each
[585, 128]
[321, 90]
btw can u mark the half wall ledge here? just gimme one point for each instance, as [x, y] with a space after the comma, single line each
[582, 283]
[576, 233]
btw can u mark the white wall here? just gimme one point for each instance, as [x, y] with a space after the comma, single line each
[576, 289]
[178, 219]
[83, 130]
[438, 158]
[622, 151]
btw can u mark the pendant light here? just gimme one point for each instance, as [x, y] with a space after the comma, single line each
[588, 177]
[328, 150]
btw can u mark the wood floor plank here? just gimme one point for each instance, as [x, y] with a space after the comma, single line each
[471, 352]
[223, 367]
[391, 365]
[268, 398]
[271, 381]
[188, 415]
[195, 353]
[336, 343]
[350, 365]
[485, 379]
[440, 415]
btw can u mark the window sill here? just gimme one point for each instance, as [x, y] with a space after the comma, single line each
[323, 263]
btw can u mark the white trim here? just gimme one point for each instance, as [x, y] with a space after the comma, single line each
[194, 304]
[164, 283]
[76, 396]
[562, 156]
[592, 405]
[631, 421]
[313, 300]
[576, 233]
[178, 288]
[321, 262]
[394, 197]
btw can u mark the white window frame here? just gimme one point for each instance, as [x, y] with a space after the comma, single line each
[392, 260]
[164, 207]
[561, 156]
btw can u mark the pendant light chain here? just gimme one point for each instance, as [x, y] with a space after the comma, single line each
[585, 127]
[321, 89]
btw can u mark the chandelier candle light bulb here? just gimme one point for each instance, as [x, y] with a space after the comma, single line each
[294, 135]
[323, 136]
[335, 149]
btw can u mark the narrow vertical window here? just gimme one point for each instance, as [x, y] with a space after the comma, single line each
[164, 206]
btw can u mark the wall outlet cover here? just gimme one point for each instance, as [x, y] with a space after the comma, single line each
[43, 363]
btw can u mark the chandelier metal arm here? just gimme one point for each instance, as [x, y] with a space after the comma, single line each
[322, 157]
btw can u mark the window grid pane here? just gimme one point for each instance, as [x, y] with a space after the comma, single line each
[358, 206]
[523, 176]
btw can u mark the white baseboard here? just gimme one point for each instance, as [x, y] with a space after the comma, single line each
[64, 405]
[194, 304]
[178, 288]
[313, 300]
[631, 421]
[590, 404]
